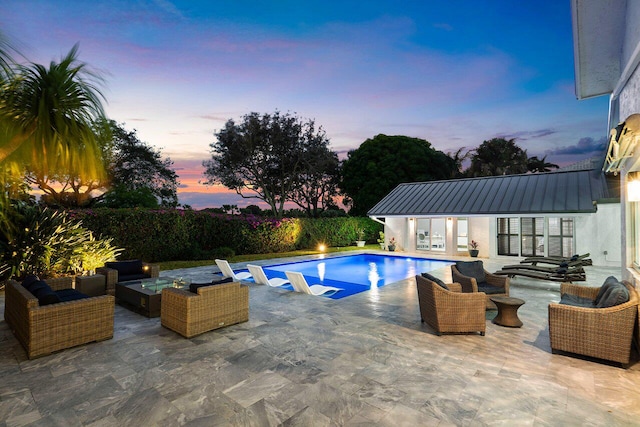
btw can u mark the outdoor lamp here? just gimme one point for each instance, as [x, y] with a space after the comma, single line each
[633, 187]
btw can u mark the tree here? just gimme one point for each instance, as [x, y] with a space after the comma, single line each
[317, 185]
[46, 117]
[540, 165]
[376, 167]
[263, 157]
[498, 156]
[134, 165]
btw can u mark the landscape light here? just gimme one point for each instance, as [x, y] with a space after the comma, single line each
[322, 247]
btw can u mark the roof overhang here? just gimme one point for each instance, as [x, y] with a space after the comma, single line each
[598, 34]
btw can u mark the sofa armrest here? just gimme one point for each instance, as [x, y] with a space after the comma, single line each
[454, 287]
[498, 281]
[589, 292]
[469, 284]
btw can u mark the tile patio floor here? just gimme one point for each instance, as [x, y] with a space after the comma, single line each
[311, 361]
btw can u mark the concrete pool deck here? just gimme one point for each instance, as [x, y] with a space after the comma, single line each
[303, 360]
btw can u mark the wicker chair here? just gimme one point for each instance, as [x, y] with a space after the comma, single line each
[603, 333]
[450, 311]
[495, 285]
[213, 307]
[111, 274]
[43, 330]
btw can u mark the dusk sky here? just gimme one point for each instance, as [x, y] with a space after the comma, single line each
[455, 73]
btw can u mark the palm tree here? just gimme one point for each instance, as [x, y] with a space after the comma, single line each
[534, 164]
[46, 116]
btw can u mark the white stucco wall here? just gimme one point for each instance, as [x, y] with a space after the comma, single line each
[600, 233]
[594, 233]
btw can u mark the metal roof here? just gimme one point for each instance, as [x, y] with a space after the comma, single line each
[539, 193]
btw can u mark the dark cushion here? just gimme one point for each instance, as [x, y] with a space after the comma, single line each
[608, 282]
[472, 269]
[70, 295]
[616, 295]
[128, 277]
[125, 268]
[194, 286]
[576, 301]
[44, 293]
[489, 289]
[435, 280]
[29, 281]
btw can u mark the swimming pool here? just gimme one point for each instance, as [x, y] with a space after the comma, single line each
[357, 273]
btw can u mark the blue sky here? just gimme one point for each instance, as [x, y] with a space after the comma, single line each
[453, 72]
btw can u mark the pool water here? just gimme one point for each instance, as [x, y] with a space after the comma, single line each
[357, 273]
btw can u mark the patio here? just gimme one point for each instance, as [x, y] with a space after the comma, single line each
[303, 360]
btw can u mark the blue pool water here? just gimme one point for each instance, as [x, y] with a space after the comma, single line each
[357, 273]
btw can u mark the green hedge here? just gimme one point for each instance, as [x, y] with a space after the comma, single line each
[175, 234]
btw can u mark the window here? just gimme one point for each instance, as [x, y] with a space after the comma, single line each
[508, 237]
[532, 236]
[463, 235]
[430, 234]
[561, 241]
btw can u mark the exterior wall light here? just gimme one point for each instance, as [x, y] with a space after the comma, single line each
[633, 187]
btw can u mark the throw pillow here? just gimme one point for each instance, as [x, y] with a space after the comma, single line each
[608, 282]
[435, 280]
[618, 294]
[44, 293]
[472, 269]
[29, 281]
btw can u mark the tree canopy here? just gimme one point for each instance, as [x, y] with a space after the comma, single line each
[372, 170]
[268, 157]
[498, 156]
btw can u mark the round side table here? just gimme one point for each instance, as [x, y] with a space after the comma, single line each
[507, 311]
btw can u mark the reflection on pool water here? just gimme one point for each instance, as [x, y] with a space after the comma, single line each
[357, 273]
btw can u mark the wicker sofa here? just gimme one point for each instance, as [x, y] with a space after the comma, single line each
[603, 333]
[212, 307]
[450, 310]
[45, 329]
[121, 271]
[493, 286]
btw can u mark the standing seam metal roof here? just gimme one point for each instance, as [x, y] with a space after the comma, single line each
[551, 192]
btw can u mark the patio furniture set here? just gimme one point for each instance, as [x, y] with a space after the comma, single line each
[50, 316]
[598, 322]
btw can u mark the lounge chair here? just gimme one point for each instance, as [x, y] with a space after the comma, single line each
[261, 279]
[558, 275]
[300, 284]
[227, 271]
[546, 269]
[576, 260]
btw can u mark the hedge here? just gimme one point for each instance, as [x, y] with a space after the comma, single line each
[174, 234]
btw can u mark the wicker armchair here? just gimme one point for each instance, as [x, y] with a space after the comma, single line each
[603, 333]
[450, 311]
[111, 274]
[43, 330]
[211, 308]
[495, 285]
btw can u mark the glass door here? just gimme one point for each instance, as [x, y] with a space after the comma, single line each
[431, 234]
